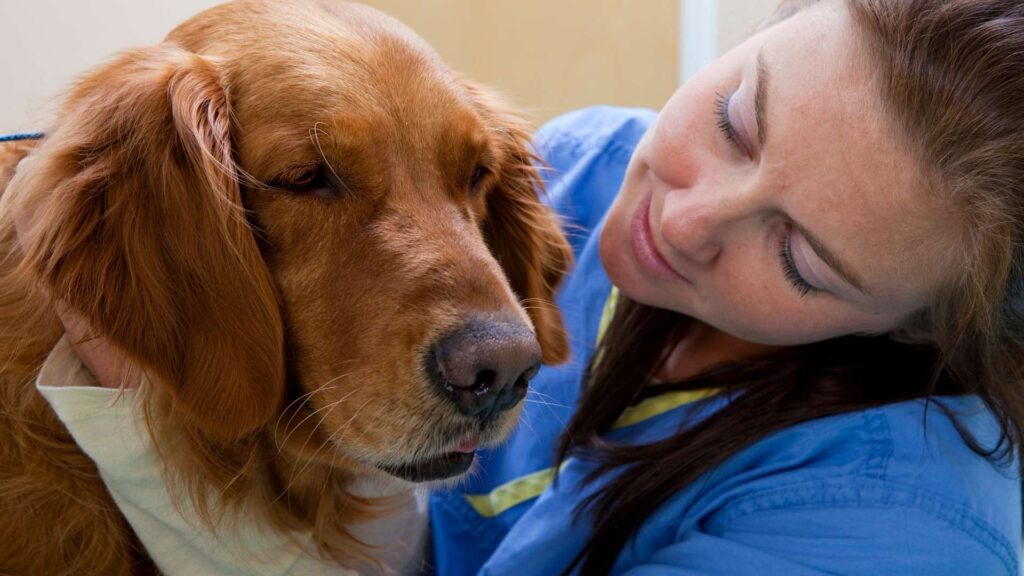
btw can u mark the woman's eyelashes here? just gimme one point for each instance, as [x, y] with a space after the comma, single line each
[731, 123]
[724, 124]
[789, 270]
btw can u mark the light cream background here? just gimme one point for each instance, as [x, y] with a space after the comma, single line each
[738, 18]
[548, 56]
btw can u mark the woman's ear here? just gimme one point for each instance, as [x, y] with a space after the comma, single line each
[139, 228]
[523, 233]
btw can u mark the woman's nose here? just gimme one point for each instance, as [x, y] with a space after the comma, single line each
[697, 222]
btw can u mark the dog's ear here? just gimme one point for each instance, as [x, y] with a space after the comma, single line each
[140, 228]
[522, 232]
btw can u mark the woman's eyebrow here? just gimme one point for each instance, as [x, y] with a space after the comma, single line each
[760, 99]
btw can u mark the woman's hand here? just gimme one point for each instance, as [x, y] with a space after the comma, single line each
[96, 352]
[99, 356]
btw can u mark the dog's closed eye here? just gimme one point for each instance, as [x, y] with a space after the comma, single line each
[314, 179]
[481, 178]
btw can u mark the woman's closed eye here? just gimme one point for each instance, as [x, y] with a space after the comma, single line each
[733, 124]
[789, 268]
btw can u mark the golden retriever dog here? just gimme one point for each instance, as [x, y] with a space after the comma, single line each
[321, 251]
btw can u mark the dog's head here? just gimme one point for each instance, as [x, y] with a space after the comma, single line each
[298, 203]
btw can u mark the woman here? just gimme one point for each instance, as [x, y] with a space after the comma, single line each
[814, 362]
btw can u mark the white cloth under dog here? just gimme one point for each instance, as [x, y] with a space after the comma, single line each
[110, 429]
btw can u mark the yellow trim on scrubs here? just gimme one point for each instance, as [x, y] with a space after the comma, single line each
[660, 404]
[511, 493]
[607, 313]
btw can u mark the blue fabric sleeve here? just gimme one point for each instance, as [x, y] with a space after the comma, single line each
[834, 539]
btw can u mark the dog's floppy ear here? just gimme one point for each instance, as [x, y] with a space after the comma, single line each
[140, 228]
[522, 232]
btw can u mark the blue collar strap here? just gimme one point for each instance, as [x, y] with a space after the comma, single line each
[25, 136]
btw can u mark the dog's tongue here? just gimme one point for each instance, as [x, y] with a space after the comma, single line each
[468, 445]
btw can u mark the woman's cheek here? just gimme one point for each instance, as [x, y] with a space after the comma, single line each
[678, 145]
[762, 313]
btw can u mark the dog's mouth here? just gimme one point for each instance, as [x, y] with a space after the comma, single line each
[447, 465]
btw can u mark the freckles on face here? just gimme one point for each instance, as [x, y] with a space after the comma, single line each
[752, 307]
[798, 222]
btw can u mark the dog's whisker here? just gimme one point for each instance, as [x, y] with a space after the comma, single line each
[291, 418]
[320, 388]
[527, 309]
[324, 386]
[348, 423]
[538, 393]
[326, 443]
[302, 397]
[314, 134]
[323, 417]
[547, 401]
[538, 304]
[548, 404]
[525, 419]
[328, 407]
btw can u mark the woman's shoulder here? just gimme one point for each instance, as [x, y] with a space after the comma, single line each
[923, 446]
[593, 128]
[930, 453]
[854, 474]
[586, 153]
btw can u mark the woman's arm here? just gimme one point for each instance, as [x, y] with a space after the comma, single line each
[890, 531]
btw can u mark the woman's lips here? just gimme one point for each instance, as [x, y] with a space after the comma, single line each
[647, 256]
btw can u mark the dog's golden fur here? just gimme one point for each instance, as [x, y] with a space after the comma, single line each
[276, 327]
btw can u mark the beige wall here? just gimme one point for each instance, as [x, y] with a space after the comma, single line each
[555, 55]
[548, 56]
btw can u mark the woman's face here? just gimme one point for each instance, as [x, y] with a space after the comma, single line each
[772, 199]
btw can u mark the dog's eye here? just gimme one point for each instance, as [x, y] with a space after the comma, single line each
[479, 178]
[307, 176]
[306, 179]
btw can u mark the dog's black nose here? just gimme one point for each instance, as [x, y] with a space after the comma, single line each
[485, 365]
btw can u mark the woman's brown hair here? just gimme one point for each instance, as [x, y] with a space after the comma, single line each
[951, 76]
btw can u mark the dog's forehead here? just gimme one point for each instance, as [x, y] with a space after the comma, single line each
[324, 49]
[298, 67]
[379, 142]
[293, 27]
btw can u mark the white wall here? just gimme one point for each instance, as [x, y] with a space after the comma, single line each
[46, 43]
[709, 28]
[740, 18]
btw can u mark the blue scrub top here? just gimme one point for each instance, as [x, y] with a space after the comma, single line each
[878, 491]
